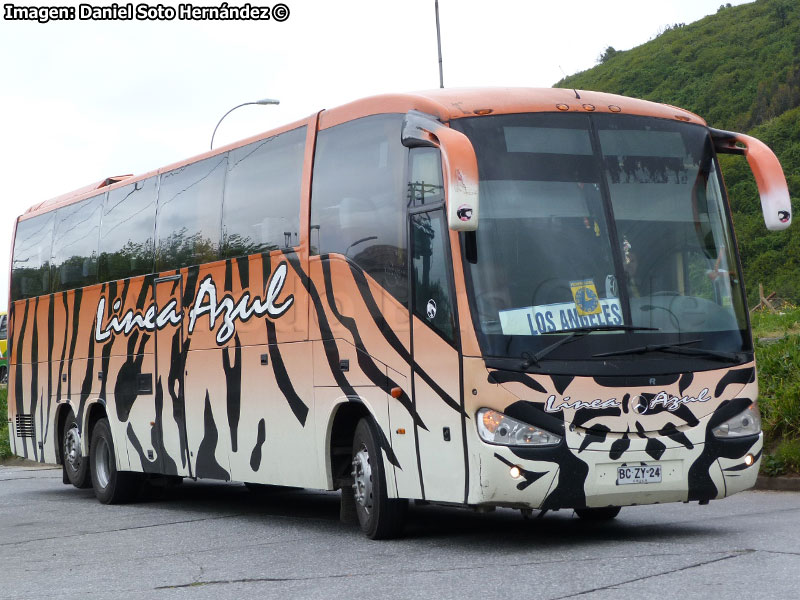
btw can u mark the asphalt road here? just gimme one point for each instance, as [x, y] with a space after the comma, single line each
[218, 541]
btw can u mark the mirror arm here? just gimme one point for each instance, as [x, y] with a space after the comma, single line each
[775, 202]
[459, 164]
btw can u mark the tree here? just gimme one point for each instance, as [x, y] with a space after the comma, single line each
[609, 53]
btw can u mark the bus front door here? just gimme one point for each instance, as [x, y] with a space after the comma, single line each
[170, 418]
[435, 356]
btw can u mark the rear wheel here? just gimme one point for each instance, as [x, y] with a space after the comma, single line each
[110, 486]
[378, 516]
[606, 513]
[76, 466]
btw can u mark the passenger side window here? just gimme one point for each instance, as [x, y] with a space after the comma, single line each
[359, 198]
[189, 213]
[261, 210]
[126, 233]
[433, 301]
[30, 267]
[75, 239]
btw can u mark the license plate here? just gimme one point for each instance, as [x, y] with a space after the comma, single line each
[639, 474]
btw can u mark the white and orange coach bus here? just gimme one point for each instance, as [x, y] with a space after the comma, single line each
[489, 298]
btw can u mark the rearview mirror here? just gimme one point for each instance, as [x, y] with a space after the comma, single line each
[460, 166]
[775, 202]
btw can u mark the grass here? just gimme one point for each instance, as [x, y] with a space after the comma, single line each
[785, 458]
[779, 324]
[777, 345]
[5, 448]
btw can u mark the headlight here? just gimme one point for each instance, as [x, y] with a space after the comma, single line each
[747, 422]
[496, 428]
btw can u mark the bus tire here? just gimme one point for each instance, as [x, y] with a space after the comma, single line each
[378, 516]
[606, 513]
[110, 486]
[75, 465]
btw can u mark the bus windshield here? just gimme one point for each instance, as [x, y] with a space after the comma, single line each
[603, 221]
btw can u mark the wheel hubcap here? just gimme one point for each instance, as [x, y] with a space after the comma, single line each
[72, 448]
[102, 463]
[362, 479]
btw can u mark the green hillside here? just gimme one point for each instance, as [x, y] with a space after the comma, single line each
[740, 70]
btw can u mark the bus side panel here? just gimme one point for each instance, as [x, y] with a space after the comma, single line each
[236, 407]
[207, 414]
[367, 327]
[438, 401]
[42, 333]
[25, 387]
[277, 441]
[402, 437]
[219, 298]
[351, 306]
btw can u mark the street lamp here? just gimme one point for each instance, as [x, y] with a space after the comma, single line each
[264, 101]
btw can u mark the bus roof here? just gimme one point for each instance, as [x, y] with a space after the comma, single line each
[445, 104]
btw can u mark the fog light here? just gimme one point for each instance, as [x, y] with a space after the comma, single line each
[515, 472]
[749, 460]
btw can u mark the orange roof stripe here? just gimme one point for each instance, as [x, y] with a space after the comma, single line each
[445, 104]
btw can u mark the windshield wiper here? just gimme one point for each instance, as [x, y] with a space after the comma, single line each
[533, 359]
[676, 348]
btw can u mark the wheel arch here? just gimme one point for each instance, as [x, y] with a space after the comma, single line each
[342, 423]
[60, 421]
[95, 411]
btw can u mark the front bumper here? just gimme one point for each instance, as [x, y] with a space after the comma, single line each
[567, 476]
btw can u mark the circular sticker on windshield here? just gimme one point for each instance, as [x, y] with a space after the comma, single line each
[430, 310]
[585, 295]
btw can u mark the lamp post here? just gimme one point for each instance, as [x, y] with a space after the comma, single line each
[439, 45]
[262, 102]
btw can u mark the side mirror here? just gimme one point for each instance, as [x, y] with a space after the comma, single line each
[775, 202]
[460, 166]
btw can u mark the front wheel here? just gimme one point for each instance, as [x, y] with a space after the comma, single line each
[110, 486]
[606, 513]
[378, 516]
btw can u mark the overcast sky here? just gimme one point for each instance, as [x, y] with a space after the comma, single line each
[80, 101]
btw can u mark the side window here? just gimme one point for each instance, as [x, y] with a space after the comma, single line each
[189, 213]
[75, 237]
[30, 267]
[358, 200]
[3, 327]
[126, 233]
[261, 210]
[425, 177]
[433, 302]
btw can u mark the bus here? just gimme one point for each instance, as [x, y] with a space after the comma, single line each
[521, 298]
